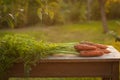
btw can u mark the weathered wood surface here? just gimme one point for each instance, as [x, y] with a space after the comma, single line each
[106, 66]
[114, 55]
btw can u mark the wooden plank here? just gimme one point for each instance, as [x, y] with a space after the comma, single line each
[115, 71]
[105, 66]
[63, 69]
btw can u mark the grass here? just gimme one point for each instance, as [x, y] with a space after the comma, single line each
[68, 33]
[92, 31]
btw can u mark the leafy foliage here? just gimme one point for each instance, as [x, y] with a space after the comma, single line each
[14, 13]
[5, 15]
[11, 13]
[20, 47]
[49, 11]
[16, 47]
[112, 9]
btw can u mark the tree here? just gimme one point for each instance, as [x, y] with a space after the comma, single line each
[103, 4]
[103, 15]
[89, 9]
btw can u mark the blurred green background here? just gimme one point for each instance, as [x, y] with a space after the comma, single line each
[61, 21]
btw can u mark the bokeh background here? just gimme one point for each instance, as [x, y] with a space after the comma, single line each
[63, 21]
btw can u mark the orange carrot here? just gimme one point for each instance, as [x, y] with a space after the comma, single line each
[80, 47]
[105, 51]
[101, 46]
[91, 53]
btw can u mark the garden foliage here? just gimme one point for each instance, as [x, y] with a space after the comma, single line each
[14, 13]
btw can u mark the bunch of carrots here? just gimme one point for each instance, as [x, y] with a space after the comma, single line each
[89, 49]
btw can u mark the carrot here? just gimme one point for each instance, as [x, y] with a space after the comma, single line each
[101, 46]
[80, 47]
[91, 53]
[105, 51]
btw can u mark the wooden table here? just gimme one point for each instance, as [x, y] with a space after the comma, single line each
[106, 67]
